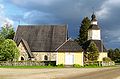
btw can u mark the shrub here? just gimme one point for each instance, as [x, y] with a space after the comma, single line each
[49, 65]
[76, 65]
[106, 59]
[9, 51]
[91, 65]
[60, 65]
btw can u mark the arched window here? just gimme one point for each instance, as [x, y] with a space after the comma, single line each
[45, 57]
[22, 58]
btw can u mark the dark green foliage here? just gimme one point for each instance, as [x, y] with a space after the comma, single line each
[8, 48]
[92, 65]
[110, 54]
[83, 32]
[8, 51]
[1, 39]
[106, 59]
[77, 66]
[92, 52]
[52, 63]
[29, 67]
[7, 32]
[114, 55]
[117, 55]
[60, 65]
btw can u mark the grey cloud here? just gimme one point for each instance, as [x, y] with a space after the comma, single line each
[40, 17]
[63, 9]
[72, 12]
[108, 16]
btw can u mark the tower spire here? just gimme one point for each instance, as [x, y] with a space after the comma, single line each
[93, 10]
[93, 18]
[94, 30]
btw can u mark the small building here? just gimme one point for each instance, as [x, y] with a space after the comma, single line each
[69, 53]
[47, 43]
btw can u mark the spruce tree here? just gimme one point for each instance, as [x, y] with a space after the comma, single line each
[83, 32]
[116, 55]
[111, 54]
[92, 52]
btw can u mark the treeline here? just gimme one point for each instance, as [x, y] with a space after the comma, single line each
[114, 54]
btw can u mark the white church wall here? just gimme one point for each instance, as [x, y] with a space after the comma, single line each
[94, 22]
[96, 35]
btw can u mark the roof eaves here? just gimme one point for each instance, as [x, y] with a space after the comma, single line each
[27, 47]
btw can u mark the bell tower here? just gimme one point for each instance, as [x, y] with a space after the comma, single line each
[94, 29]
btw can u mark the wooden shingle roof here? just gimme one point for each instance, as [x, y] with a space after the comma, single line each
[42, 37]
[70, 46]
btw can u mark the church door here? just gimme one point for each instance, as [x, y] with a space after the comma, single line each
[69, 59]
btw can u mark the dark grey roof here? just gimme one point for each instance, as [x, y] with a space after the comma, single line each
[42, 37]
[93, 17]
[94, 27]
[27, 48]
[98, 43]
[70, 46]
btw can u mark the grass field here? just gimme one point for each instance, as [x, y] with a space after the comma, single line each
[41, 67]
[24, 67]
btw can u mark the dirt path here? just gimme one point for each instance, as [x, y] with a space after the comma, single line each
[107, 74]
[6, 73]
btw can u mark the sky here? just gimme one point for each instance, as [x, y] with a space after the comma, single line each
[69, 12]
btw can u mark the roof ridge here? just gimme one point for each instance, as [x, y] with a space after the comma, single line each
[42, 24]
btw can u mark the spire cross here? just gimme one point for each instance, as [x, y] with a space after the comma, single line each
[93, 10]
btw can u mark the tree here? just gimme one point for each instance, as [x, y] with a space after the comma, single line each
[92, 52]
[107, 59]
[7, 32]
[83, 32]
[8, 51]
[1, 39]
[110, 54]
[116, 55]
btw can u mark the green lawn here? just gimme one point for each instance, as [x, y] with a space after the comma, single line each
[93, 66]
[30, 67]
[38, 67]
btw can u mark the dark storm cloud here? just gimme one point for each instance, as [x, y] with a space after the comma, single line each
[58, 11]
[71, 12]
[66, 10]
[109, 21]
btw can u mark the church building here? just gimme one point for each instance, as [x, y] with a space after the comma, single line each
[52, 43]
[47, 43]
[94, 35]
